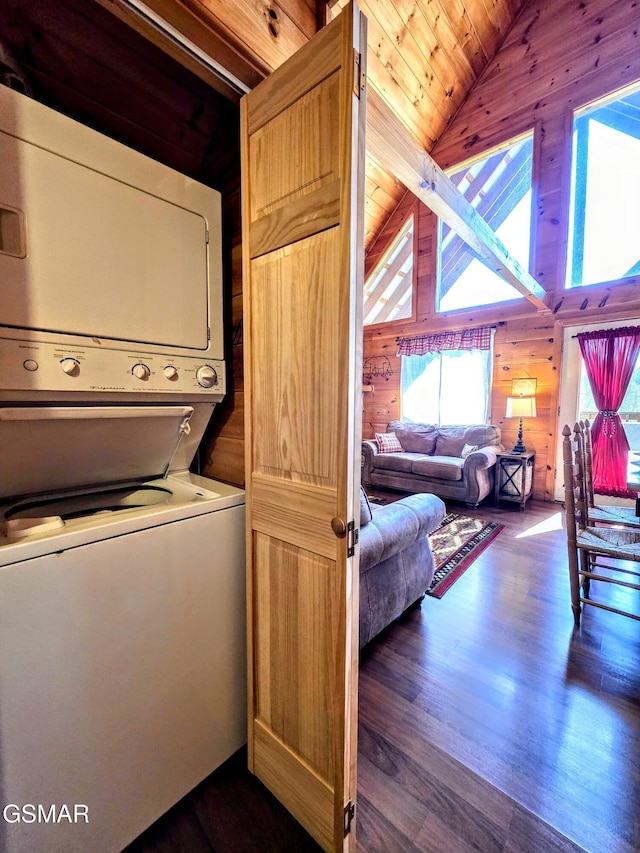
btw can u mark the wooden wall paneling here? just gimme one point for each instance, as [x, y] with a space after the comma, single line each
[599, 301]
[445, 42]
[224, 459]
[306, 14]
[532, 81]
[487, 28]
[374, 213]
[515, 355]
[407, 28]
[383, 405]
[420, 121]
[554, 409]
[530, 327]
[400, 55]
[84, 62]
[389, 232]
[427, 234]
[557, 195]
[223, 443]
[267, 32]
[383, 192]
[584, 61]
[466, 35]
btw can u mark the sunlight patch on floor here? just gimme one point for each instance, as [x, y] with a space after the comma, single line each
[554, 522]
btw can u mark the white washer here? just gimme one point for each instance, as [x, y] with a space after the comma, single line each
[122, 630]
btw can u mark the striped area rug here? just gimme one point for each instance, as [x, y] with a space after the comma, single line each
[455, 545]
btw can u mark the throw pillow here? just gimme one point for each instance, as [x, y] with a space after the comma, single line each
[388, 443]
[449, 445]
[467, 449]
[415, 438]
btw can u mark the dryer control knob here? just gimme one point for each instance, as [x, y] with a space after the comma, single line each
[70, 366]
[171, 372]
[141, 371]
[206, 376]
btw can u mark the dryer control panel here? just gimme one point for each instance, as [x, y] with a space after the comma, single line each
[27, 365]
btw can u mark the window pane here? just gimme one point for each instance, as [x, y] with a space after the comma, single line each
[432, 383]
[629, 410]
[388, 291]
[604, 214]
[499, 188]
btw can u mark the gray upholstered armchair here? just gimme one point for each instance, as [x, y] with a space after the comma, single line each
[396, 563]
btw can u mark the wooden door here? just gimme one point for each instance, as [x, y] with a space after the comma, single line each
[302, 209]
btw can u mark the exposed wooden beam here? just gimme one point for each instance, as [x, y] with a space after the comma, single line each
[396, 150]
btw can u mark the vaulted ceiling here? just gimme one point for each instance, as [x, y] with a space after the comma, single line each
[423, 58]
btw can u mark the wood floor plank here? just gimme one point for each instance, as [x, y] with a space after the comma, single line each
[528, 834]
[487, 723]
[376, 833]
[407, 780]
[509, 684]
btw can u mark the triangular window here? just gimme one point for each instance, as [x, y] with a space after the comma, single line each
[388, 291]
[498, 187]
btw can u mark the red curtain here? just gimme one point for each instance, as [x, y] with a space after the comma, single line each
[610, 357]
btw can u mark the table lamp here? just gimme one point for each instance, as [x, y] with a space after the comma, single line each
[520, 407]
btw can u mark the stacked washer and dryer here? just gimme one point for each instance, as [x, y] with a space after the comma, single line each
[122, 609]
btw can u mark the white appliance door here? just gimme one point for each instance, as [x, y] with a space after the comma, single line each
[98, 256]
[122, 678]
[52, 448]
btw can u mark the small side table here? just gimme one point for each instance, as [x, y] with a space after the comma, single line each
[514, 478]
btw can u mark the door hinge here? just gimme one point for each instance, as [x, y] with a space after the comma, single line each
[353, 535]
[359, 77]
[349, 816]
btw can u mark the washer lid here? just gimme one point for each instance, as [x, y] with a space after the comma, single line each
[53, 448]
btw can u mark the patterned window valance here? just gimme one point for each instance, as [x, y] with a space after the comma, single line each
[465, 340]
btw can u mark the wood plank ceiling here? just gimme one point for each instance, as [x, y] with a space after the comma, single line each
[424, 56]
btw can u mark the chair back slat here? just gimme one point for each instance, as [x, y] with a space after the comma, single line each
[569, 485]
[588, 463]
[570, 520]
[582, 505]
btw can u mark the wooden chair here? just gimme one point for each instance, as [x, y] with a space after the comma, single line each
[588, 545]
[601, 513]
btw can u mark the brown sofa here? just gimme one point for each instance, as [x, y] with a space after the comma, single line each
[455, 462]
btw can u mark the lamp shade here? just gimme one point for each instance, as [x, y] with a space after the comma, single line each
[521, 407]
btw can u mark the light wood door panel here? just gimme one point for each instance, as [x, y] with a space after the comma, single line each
[291, 150]
[296, 332]
[303, 209]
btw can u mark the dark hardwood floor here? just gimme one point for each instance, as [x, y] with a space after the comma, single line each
[487, 723]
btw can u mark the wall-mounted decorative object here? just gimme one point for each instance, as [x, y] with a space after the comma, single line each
[524, 386]
[377, 366]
